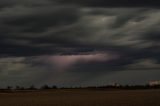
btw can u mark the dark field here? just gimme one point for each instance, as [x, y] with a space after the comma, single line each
[76, 97]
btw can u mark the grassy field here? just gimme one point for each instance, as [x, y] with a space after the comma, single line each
[82, 98]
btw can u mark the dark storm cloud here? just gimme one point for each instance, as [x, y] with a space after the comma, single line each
[87, 3]
[47, 27]
[153, 36]
[22, 25]
[60, 27]
[40, 19]
[54, 28]
[114, 3]
[77, 37]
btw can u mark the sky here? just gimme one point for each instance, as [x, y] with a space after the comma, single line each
[79, 42]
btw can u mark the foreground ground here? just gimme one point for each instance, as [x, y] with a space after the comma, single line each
[82, 98]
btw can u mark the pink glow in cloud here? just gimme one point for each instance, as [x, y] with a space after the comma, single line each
[64, 62]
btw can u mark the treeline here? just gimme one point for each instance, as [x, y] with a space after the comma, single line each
[46, 87]
[126, 87]
[32, 87]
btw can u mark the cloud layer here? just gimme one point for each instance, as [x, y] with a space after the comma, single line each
[77, 36]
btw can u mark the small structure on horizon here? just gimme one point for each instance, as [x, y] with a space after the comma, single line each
[115, 84]
[154, 83]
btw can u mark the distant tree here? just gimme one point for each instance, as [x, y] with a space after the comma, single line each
[22, 88]
[45, 87]
[9, 88]
[32, 87]
[126, 86]
[54, 87]
[17, 87]
[147, 86]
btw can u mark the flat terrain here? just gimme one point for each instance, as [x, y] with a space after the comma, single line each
[77, 97]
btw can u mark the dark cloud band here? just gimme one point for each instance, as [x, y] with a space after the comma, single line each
[114, 3]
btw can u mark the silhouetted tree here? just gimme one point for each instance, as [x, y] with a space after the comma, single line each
[9, 88]
[17, 87]
[45, 87]
[22, 88]
[32, 87]
[54, 87]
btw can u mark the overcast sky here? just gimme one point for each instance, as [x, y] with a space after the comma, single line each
[79, 42]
